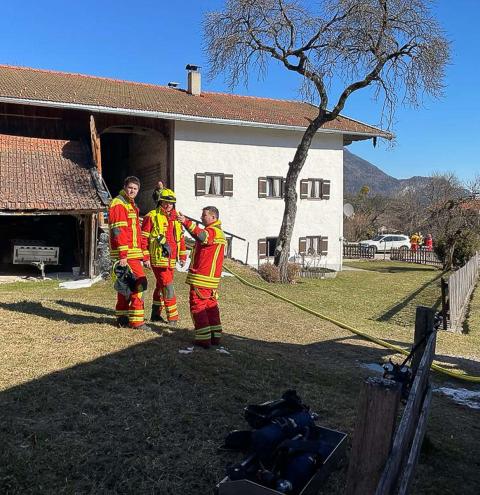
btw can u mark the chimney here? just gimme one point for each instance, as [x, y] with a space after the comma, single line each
[194, 86]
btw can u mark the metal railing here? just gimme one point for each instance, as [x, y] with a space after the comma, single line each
[356, 251]
[420, 256]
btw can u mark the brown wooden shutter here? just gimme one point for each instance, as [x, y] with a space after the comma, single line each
[302, 245]
[325, 189]
[284, 184]
[262, 248]
[303, 188]
[228, 185]
[262, 187]
[324, 245]
[200, 183]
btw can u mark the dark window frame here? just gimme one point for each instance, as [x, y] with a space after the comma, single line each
[321, 188]
[208, 178]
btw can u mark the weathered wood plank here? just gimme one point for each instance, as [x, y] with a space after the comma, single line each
[424, 319]
[409, 469]
[408, 423]
[376, 416]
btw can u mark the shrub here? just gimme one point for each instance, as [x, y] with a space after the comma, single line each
[293, 271]
[269, 273]
[467, 243]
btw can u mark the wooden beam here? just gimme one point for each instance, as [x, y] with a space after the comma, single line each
[424, 319]
[405, 432]
[409, 469]
[96, 149]
[372, 438]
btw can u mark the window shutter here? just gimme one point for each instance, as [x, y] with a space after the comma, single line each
[324, 245]
[262, 248]
[228, 185]
[262, 187]
[284, 183]
[302, 245]
[200, 184]
[325, 189]
[303, 188]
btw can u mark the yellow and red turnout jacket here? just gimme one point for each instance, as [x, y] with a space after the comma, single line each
[207, 254]
[125, 233]
[161, 229]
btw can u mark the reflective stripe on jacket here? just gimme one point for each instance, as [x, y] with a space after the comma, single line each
[124, 224]
[207, 255]
[157, 230]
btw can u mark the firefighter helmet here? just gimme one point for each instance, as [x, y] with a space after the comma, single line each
[167, 195]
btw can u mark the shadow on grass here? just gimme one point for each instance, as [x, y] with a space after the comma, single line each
[38, 309]
[372, 267]
[390, 313]
[84, 307]
[149, 420]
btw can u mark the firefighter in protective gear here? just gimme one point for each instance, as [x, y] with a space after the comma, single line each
[414, 241]
[163, 245]
[126, 248]
[204, 276]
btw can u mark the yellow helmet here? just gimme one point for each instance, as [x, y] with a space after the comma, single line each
[167, 195]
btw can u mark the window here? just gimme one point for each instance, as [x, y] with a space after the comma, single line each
[314, 189]
[271, 187]
[213, 184]
[266, 247]
[313, 245]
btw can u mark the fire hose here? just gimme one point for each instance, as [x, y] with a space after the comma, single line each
[383, 343]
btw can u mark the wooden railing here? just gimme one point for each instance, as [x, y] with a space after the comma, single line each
[420, 256]
[375, 468]
[459, 287]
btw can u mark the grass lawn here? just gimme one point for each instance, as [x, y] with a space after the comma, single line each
[89, 408]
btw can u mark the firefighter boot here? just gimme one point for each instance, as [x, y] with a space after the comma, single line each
[122, 321]
[155, 316]
[143, 327]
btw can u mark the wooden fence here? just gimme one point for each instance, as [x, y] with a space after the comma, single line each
[382, 460]
[356, 251]
[456, 292]
[420, 256]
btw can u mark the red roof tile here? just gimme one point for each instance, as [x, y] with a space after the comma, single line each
[46, 174]
[81, 90]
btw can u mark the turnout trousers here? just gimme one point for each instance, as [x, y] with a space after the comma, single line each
[133, 307]
[206, 316]
[164, 294]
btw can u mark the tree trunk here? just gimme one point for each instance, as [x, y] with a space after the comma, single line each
[282, 250]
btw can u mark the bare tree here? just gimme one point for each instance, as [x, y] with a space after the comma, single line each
[395, 46]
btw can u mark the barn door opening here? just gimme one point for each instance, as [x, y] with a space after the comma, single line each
[128, 150]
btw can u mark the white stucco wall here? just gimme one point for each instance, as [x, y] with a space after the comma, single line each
[249, 153]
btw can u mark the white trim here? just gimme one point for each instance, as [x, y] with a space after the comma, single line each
[176, 116]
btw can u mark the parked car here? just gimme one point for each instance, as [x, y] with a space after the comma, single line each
[386, 242]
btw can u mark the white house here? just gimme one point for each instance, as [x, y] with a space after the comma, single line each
[217, 149]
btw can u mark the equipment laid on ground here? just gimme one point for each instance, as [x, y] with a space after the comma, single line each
[287, 453]
[30, 253]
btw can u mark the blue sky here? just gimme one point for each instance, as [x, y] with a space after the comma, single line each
[153, 40]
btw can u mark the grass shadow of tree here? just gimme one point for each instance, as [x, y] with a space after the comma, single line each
[412, 301]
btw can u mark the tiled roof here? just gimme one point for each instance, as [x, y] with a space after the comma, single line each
[46, 174]
[81, 90]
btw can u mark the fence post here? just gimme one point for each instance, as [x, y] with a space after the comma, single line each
[372, 438]
[444, 286]
[424, 318]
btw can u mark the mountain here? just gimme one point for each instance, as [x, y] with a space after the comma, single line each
[358, 172]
